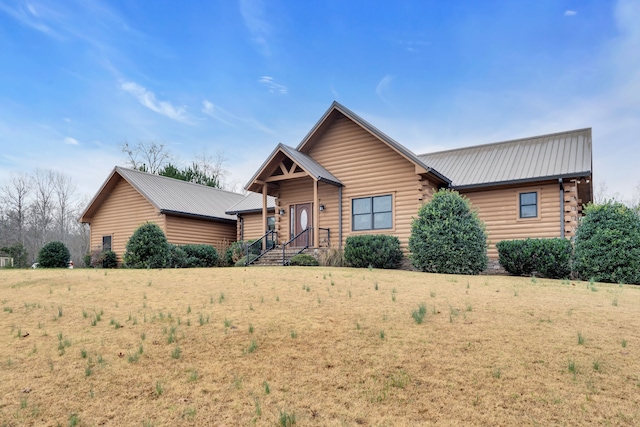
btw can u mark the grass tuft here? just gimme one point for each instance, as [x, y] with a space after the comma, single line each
[418, 315]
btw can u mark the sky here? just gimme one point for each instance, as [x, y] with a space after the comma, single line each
[78, 78]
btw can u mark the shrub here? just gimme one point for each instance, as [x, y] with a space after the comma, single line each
[448, 237]
[373, 250]
[101, 259]
[549, 257]
[177, 256]
[87, 260]
[241, 261]
[303, 259]
[607, 244]
[147, 247]
[109, 259]
[18, 253]
[235, 251]
[54, 255]
[200, 255]
[332, 257]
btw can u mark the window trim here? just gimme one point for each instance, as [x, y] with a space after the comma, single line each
[371, 213]
[110, 242]
[520, 205]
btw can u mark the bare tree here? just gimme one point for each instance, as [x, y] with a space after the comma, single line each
[64, 191]
[15, 198]
[146, 156]
[42, 207]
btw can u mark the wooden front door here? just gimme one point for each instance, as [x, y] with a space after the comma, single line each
[302, 219]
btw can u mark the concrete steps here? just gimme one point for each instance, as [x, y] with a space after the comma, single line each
[274, 257]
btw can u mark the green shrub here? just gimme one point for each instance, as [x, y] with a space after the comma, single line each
[87, 260]
[448, 237]
[373, 250]
[241, 261]
[549, 257]
[109, 259]
[101, 259]
[200, 255]
[54, 255]
[18, 253]
[607, 244]
[177, 257]
[147, 248]
[303, 259]
[235, 251]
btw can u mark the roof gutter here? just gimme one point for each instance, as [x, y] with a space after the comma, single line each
[196, 216]
[523, 181]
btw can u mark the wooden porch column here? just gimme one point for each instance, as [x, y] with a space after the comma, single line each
[316, 215]
[264, 213]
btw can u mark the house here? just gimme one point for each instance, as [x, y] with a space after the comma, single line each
[186, 212]
[5, 261]
[248, 212]
[347, 178]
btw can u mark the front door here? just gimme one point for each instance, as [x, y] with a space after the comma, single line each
[302, 219]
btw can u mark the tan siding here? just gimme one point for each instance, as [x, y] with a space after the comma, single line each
[367, 167]
[120, 214]
[294, 191]
[252, 225]
[180, 231]
[499, 209]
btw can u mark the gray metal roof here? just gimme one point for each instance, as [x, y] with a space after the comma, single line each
[558, 155]
[401, 149]
[179, 197]
[252, 202]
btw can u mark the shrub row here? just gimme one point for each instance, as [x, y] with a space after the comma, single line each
[547, 257]
[373, 250]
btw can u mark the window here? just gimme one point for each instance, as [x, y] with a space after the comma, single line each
[106, 243]
[271, 226]
[529, 205]
[372, 213]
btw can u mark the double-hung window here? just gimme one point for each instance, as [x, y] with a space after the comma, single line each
[529, 205]
[372, 213]
[106, 243]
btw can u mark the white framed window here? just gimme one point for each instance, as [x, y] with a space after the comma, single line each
[372, 213]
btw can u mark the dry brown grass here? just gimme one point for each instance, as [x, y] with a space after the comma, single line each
[491, 350]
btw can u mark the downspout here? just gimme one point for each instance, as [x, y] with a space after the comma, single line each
[241, 219]
[561, 207]
[339, 218]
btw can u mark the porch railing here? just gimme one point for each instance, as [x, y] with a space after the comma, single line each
[305, 235]
[324, 241]
[254, 251]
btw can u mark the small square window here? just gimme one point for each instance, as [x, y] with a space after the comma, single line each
[529, 205]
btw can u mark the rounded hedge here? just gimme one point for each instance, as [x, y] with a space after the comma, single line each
[200, 255]
[448, 237]
[607, 244]
[549, 257]
[303, 260]
[373, 250]
[54, 255]
[147, 248]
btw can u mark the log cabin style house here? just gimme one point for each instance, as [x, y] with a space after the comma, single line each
[347, 178]
[186, 212]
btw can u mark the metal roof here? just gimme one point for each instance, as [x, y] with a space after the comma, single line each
[172, 196]
[396, 146]
[309, 165]
[252, 202]
[557, 155]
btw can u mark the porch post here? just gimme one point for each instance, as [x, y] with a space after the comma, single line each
[264, 213]
[316, 215]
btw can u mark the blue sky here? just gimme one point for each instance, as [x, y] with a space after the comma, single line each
[80, 77]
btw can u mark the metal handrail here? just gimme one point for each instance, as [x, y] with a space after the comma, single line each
[284, 246]
[248, 260]
[328, 235]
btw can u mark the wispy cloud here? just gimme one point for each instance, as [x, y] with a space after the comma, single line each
[253, 15]
[30, 15]
[148, 99]
[570, 13]
[223, 116]
[71, 141]
[382, 89]
[273, 87]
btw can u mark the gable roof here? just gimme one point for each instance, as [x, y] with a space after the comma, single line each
[169, 196]
[337, 109]
[309, 165]
[252, 202]
[558, 155]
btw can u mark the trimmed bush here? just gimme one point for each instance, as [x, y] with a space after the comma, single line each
[54, 255]
[448, 237]
[241, 261]
[235, 251]
[200, 255]
[303, 260]
[177, 256]
[607, 244]
[109, 259]
[549, 257]
[147, 248]
[373, 250]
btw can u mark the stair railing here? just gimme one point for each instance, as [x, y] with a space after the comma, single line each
[255, 248]
[309, 234]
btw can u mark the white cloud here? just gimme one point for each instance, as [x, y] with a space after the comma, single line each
[570, 13]
[233, 120]
[148, 99]
[253, 15]
[272, 85]
[71, 141]
[382, 88]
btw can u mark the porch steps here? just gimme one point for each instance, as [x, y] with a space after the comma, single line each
[274, 257]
